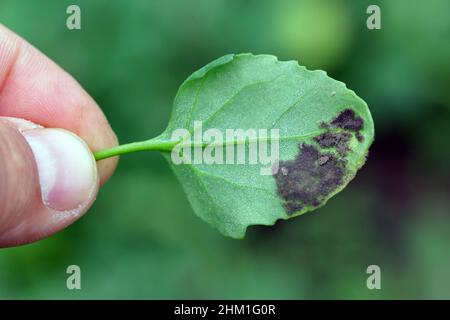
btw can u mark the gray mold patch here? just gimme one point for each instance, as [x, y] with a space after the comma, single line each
[337, 140]
[316, 172]
[348, 120]
[312, 176]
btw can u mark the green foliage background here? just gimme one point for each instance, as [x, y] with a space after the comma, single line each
[142, 240]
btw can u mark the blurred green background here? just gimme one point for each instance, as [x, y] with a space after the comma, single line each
[141, 238]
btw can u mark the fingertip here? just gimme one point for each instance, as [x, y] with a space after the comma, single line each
[48, 179]
[33, 87]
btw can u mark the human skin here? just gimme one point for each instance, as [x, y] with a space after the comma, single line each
[49, 127]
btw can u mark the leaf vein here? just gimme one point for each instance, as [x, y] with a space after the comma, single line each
[288, 109]
[195, 102]
[227, 102]
[200, 172]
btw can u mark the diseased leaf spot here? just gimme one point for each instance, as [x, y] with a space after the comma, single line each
[312, 176]
[360, 137]
[348, 120]
[337, 140]
[323, 159]
[284, 171]
[324, 125]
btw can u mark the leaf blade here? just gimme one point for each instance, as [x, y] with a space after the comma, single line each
[246, 91]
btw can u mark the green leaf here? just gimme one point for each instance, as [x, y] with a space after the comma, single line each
[325, 131]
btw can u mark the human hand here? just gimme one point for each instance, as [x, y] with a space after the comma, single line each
[48, 176]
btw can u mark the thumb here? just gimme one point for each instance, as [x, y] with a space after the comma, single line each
[48, 179]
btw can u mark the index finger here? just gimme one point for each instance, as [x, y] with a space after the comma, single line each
[34, 88]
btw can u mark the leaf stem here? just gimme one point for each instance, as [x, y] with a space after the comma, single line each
[147, 145]
[156, 144]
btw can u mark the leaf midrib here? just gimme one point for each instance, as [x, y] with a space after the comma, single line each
[248, 141]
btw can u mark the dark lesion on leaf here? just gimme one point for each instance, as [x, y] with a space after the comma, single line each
[348, 120]
[320, 168]
[359, 136]
[337, 140]
[308, 178]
